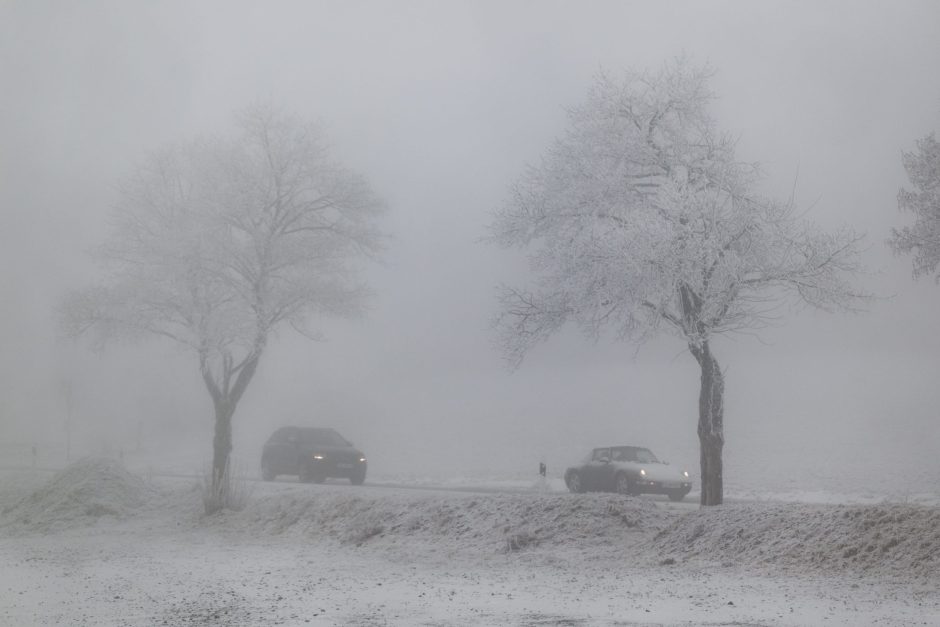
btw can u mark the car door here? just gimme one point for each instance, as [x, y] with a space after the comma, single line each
[594, 469]
[606, 470]
[283, 450]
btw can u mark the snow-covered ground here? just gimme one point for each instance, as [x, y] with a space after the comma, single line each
[98, 545]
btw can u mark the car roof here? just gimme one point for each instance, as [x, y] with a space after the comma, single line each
[310, 434]
[596, 448]
[308, 429]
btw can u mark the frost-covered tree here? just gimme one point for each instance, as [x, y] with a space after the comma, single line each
[219, 242]
[639, 219]
[923, 238]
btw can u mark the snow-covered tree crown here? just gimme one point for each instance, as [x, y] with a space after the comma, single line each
[923, 237]
[641, 219]
[217, 242]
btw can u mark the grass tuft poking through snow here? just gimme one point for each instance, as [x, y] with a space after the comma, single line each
[233, 492]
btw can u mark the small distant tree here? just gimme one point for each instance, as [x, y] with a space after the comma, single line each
[219, 242]
[640, 219]
[923, 238]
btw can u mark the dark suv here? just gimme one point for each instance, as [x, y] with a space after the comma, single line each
[313, 454]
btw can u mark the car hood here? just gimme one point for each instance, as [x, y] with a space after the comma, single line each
[655, 472]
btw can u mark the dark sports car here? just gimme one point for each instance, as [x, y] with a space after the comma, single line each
[628, 470]
[313, 454]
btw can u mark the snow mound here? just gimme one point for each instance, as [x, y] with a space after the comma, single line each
[490, 522]
[80, 494]
[882, 540]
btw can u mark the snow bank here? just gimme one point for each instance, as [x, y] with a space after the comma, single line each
[889, 540]
[79, 495]
[885, 540]
[488, 523]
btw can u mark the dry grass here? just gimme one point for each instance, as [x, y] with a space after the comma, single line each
[233, 492]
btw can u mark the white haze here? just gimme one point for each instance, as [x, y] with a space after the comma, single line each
[441, 105]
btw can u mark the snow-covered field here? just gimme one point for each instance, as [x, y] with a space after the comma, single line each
[97, 545]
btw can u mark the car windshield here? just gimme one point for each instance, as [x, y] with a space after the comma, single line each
[322, 437]
[634, 454]
[645, 456]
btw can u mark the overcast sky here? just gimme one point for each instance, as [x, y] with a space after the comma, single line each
[440, 105]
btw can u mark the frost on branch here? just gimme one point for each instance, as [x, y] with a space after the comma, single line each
[923, 237]
[641, 219]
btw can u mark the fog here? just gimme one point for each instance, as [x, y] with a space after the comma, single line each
[441, 105]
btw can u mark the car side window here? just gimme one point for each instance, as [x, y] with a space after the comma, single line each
[601, 453]
[624, 455]
[284, 435]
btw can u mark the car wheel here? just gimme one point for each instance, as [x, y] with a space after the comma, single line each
[574, 482]
[305, 475]
[267, 473]
[623, 485]
[676, 496]
[357, 479]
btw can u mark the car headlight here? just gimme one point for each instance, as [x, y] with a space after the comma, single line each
[362, 459]
[318, 456]
[685, 473]
[642, 472]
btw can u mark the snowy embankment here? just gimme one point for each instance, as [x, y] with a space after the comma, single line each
[84, 492]
[898, 541]
[455, 523]
[883, 539]
[337, 554]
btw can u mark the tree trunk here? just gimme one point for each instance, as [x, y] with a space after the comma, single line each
[221, 445]
[710, 425]
[225, 398]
